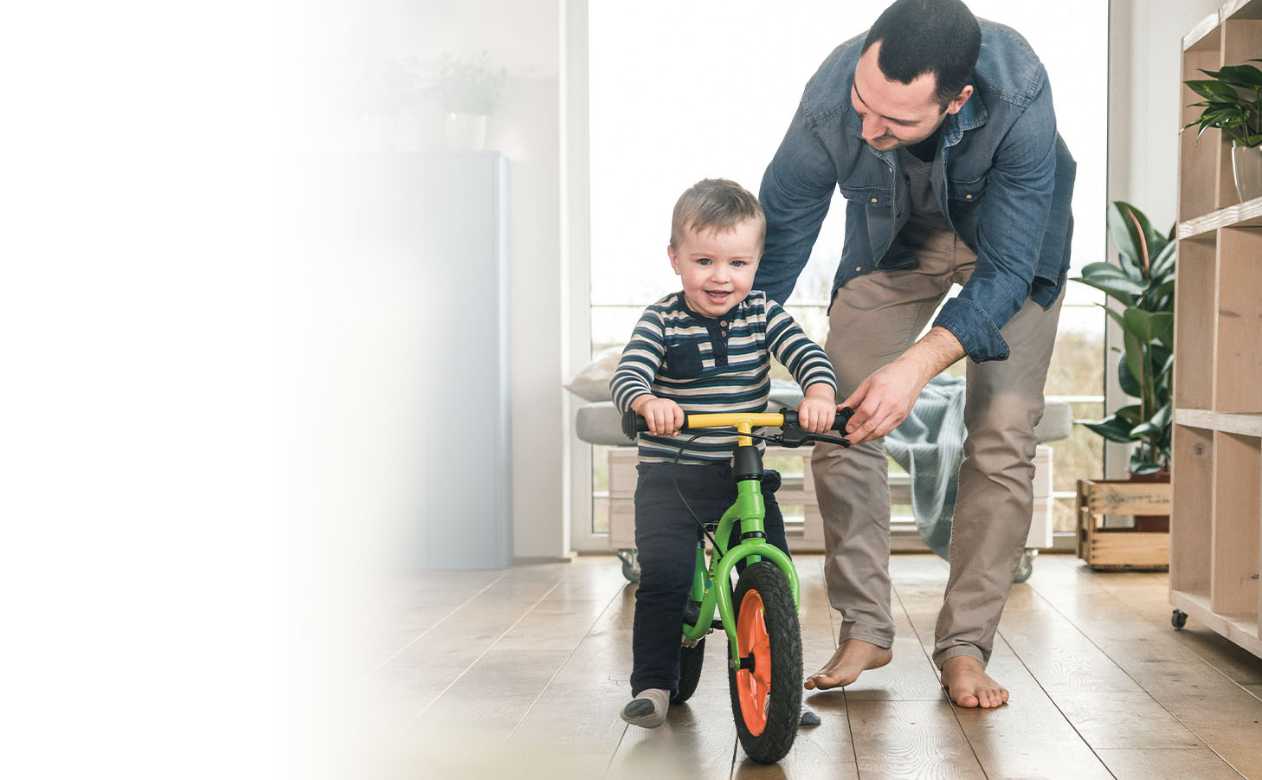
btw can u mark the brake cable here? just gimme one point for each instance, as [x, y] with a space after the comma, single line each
[792, 443]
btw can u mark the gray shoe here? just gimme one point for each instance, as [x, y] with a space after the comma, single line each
[648, 710]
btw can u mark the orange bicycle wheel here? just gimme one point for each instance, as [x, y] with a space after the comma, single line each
[766, 689]
[754, 685]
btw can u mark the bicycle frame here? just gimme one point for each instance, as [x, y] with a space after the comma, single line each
[749, 511]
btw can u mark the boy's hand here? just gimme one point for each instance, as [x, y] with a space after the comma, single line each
[818, 408]
[663, 415]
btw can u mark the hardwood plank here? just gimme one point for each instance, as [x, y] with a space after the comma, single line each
[1174, 763]
[1122, 719]
[1029, 737]
[826, 750]
[1030, 734]
[1243, 424]
[410, 606]
[910, 739]
[1240, 215]
[698, 738]
[1138, 607]
[1225, 717]
[576, 717]
[1126, 498]
[424, 669]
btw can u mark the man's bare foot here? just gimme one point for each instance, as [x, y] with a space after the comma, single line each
[968, 685]
[852, 659]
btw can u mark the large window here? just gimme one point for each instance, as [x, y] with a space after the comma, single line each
[682, 91]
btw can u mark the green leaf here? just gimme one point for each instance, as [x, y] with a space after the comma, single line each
[1164, 371]
[1212, 89]
[1160, 291]
[1131, 414]
[1128, 381]
[1110, 428]
[1135, 237]
[1091, 270]
[1141, 466]
[1124, 290]
[1163, 328]
[1163, 263]
[1238, 76]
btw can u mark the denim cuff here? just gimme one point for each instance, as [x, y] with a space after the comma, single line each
[975, 330]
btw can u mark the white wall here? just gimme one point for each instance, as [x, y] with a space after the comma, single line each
[523, 37]
[1144, 72]
[1145, 46]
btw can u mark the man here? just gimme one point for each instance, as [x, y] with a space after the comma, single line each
[939, 131]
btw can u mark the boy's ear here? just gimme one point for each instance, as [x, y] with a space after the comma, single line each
[674, 259]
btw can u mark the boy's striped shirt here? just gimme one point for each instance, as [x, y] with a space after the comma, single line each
[709, 365]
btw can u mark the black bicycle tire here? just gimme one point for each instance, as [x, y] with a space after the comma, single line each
[690, 662]
[785, 634]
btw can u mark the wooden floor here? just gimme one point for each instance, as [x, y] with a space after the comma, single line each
[522, 672]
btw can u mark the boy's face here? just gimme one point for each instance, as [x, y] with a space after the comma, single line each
[717, 267]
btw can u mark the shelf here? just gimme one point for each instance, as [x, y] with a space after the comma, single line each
[1194, 323]
[1242, 215]
[1233, 587]
[1237, 359]
[1240, 9]
[1200, 32]
[1239, 424]
[1216, 458]
[1192, 508]
[1241, 629]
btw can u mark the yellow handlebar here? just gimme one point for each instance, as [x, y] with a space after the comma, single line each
[743, 422]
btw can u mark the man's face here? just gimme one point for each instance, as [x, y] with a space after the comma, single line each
[717, 267]
[895, 114]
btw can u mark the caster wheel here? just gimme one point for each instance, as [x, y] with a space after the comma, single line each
[1178, 619]
[630, 565]
[1025, 565]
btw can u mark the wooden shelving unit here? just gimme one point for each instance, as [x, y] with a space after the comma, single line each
[1216, 517]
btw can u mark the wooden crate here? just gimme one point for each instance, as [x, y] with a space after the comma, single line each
[1109, 548]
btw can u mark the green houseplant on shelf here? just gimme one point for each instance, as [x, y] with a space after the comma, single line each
[1233, 103]
[1143, 283]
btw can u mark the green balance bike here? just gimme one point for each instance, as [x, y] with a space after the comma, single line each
[759, 615]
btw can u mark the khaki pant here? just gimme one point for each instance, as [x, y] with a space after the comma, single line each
[874, 319]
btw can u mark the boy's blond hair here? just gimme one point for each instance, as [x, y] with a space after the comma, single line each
[715, 205]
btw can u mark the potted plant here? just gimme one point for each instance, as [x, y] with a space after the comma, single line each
[469, 90]
[1143, 283]
[1233, 104]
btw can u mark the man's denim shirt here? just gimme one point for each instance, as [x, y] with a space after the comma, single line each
[1002, 175]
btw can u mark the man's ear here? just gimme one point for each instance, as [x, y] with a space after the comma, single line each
[674, 259]
[955, 105]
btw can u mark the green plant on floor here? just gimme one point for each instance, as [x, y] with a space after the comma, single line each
[1143, 283]
[1233, 103]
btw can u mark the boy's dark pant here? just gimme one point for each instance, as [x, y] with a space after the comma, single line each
[666, 538]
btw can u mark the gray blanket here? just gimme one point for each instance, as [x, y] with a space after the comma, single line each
[929, 446]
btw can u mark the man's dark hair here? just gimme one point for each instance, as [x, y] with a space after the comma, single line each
[928, 36]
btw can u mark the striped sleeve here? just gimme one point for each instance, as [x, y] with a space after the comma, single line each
[805, 359]
[641, 359]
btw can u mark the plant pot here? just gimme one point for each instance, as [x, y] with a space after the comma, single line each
[1246, 167]
[465, 132]
[1156, 523]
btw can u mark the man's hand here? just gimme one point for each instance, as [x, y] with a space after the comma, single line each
[886, 397]
[663, 415]
[818, 408]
